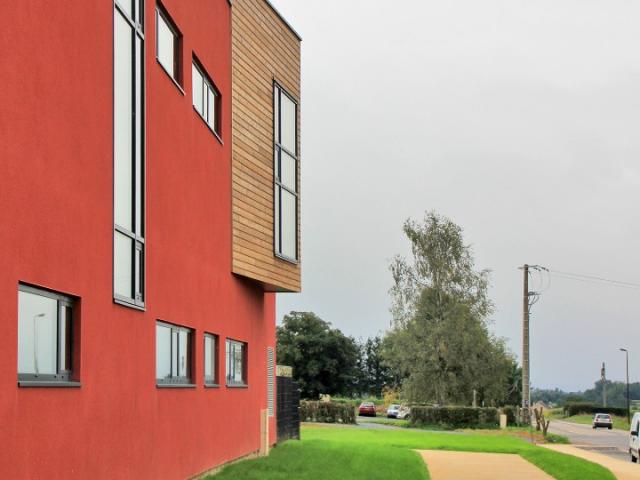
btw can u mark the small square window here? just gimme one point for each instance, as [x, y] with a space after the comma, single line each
[168, 43]
[45, 335]
[206, 98]
[236, 356]
[173, 354]
[210, 359]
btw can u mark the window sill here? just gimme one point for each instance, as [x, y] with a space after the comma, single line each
[45, 384]
[211, 385]
[127, 303]
[237, 385]
[175, 385]
[178, 86]
[286, 259]
[215, 134]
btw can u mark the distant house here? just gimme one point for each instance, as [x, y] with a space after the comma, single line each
[150, 211]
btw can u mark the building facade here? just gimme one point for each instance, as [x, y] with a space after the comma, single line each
[150, 196]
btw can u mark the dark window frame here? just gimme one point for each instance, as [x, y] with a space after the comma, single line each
[66, 376]
[178, 381]
[178, 70]
[278, 91]
[207, 80]
[138, 252]
[245, 364]
[212, 380]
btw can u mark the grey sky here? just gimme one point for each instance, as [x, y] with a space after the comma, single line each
[517, 119]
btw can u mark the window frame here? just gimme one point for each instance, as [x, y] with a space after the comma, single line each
[210, 84]
[66, 377]
[138, 171]
[178, 73]
[212, 380]
[278, 148]
[230, 383]
[177, 381]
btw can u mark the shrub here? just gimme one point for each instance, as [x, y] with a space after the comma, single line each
[577, 408]
[327, 412]
[455, 417]
[511, 413]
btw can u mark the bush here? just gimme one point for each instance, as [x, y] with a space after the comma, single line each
[577, 408]
[327, 412]
[512, 415]
[455, 417]
[560, 439]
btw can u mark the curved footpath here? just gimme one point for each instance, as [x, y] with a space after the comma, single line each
[447, 465]
[623, 470]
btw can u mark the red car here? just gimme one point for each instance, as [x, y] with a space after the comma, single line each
[367, 409]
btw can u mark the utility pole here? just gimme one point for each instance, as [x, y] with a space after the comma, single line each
[628, 401]
[603, 377]
[526, 399]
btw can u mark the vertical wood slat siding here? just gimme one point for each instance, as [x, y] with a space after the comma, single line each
[264, 49]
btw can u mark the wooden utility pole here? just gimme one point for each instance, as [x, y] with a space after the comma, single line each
[603, 377]
[526, 398]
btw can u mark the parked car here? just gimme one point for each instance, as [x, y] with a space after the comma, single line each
[367, 409]
[602, 420]
[403, 412]
[634, 441]
[392, 411]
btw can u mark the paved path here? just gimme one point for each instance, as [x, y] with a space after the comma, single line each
[623, 470]
[614, 443]
[445, 465]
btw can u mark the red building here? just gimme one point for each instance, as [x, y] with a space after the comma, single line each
[146, 223]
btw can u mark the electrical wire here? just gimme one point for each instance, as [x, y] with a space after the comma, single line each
[593, 279]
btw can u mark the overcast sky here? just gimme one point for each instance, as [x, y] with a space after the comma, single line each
[517, 119]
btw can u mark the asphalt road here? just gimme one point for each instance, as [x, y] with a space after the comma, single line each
[614, 443]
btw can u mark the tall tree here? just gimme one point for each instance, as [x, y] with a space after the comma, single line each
[323, 359]
[440, 343]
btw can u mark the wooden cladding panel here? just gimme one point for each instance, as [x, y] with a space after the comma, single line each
[264, 50]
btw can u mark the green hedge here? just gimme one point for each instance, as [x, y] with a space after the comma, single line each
[327, 412]
[455, 417]
[577, 408]
[512, 415]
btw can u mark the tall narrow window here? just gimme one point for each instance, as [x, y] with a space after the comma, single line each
[210, 359]
[236, 356]
[286, 175]
[168, 40]
[129, 152]
[173, 354]
[206, 98]
[45, 335]
[270, 380]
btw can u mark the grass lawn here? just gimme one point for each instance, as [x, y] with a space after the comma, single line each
[618, 422]
[354, 453]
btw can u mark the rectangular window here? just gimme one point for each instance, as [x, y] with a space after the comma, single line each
[45, 335]
[168, 41]
[236, 355]
[270, 380]
[286, 175]
[129, 153]
[210, 359]
[206, 98]
[173, 354]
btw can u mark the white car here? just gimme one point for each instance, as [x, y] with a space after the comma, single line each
[602, 420]
[392, 411]
[633, 438]
[403, 412]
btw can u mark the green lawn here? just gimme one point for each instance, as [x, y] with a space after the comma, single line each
[618, 422]
[355, 453]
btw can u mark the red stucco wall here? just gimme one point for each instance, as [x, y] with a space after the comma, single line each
[56, 214]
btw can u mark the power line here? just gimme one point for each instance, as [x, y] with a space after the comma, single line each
[593, 279]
